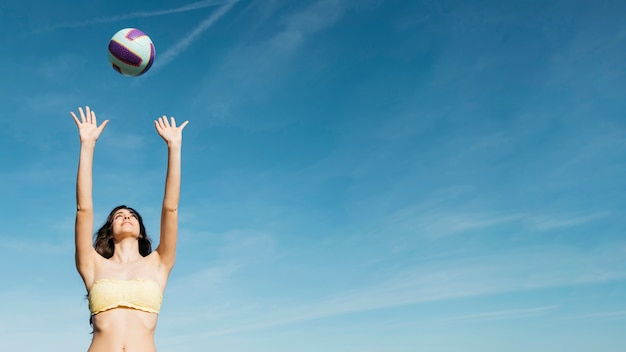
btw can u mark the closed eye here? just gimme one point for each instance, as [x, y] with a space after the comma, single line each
[119, 215]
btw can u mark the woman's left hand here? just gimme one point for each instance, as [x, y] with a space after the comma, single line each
[171, 134]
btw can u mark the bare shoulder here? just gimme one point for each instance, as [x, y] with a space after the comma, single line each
[162, 270]
[90, 274]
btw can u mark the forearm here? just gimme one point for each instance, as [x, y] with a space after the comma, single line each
[84, 182]
[84, 209]
[172, 178]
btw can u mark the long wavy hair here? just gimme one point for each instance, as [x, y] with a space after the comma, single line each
[103, 242]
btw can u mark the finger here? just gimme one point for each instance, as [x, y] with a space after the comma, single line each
[173, 124]
[162, 122]
[183, 125]
[160, 125]
[93, 118]
[82, 115]
[88, 114]
[75, 118]
[165, 122]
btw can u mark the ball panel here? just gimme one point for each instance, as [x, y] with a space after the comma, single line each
[125, 69]
[135, 33]
[150, 61]
[124, 54]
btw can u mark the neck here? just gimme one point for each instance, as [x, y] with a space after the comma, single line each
[126, 250]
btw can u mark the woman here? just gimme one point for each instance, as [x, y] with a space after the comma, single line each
[123, 277]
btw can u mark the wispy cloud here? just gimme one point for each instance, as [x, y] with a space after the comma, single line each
[507, 314]
[550, 222]
[25, 311]
[14, 245]
[239, 79]
[319, 16]
[437, 223]
[173, 52]
[617, 314]
[191, 7]
[531, 269]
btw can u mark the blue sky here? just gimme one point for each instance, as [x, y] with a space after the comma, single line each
[363, 176]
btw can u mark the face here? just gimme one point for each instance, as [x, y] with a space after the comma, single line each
[125, 222]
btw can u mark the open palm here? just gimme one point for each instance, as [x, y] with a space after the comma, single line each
[171, 134]
[87, 124]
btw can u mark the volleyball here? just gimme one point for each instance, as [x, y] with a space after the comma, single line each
[131, 52]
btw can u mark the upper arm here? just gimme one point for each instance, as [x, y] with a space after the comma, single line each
[168, 236]
[85, 253]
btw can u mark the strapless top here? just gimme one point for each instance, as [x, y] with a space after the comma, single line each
[141, 294]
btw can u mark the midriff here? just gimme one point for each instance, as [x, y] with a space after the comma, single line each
[123, 330]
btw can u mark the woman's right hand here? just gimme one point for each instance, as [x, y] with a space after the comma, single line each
[88, 128]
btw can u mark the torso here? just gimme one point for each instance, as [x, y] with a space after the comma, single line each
[124, 329]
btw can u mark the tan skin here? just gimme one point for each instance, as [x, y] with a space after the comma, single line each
[122, 329]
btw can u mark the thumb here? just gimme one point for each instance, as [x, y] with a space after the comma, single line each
[103, 125]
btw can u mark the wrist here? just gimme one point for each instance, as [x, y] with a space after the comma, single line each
[88, 144]
[174, 146]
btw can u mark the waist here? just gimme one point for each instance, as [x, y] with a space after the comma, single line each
[102, 343]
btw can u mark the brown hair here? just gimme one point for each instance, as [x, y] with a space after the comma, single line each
[103, 243]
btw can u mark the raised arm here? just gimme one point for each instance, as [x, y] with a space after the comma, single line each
[173, 136]
[88, 131]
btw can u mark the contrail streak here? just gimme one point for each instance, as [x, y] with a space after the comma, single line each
[191, 7]
[171, 53]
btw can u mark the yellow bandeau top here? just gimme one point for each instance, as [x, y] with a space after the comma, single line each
[141, 294]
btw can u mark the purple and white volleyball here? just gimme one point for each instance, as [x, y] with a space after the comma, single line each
[131, 52]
